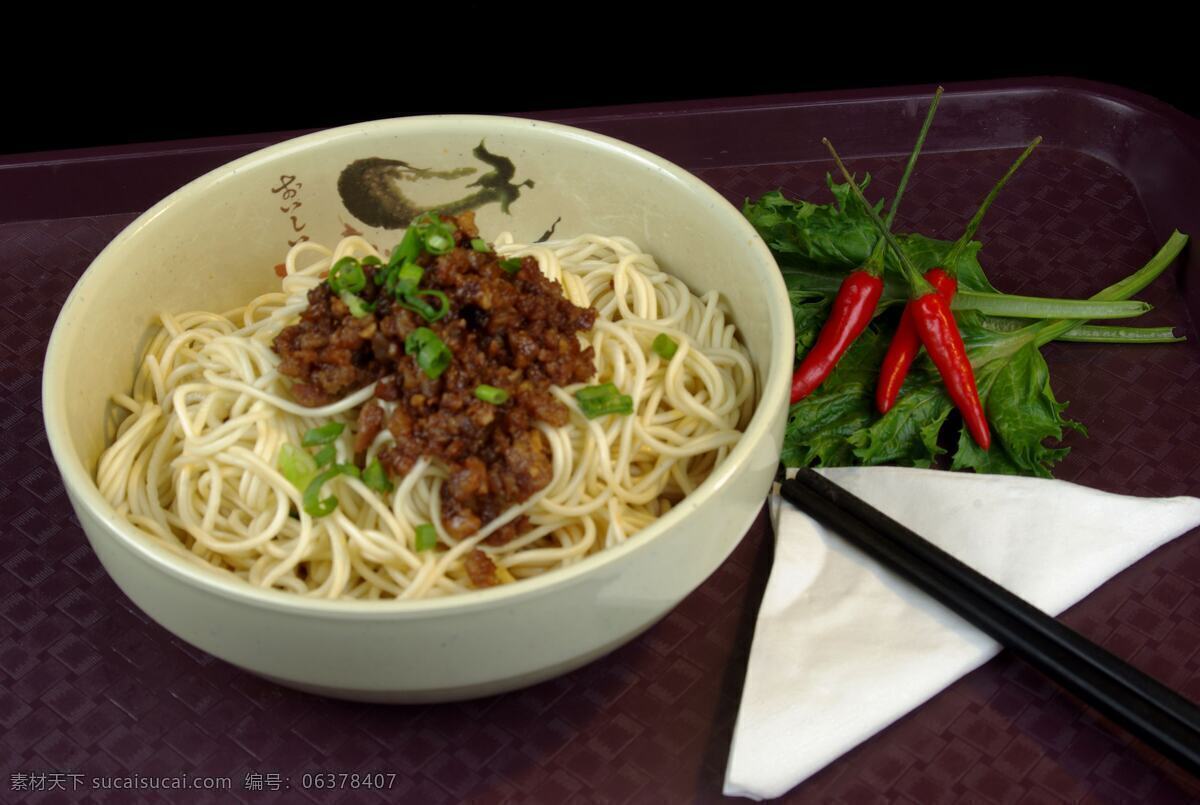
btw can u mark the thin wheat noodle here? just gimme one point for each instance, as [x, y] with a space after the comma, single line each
[193, 463]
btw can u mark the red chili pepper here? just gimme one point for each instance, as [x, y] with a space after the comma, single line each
[858, 295]
[851, 313]
[906, 343]
[935, 325]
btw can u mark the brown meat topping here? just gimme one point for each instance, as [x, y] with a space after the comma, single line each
[516, 332]
[480, 569]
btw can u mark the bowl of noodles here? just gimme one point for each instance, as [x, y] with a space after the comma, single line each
[422, 409]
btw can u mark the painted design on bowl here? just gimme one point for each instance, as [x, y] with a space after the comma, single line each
[370, 188]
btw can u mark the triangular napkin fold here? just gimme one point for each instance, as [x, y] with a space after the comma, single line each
[843, 647]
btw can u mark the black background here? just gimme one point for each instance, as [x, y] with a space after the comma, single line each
[304, 73]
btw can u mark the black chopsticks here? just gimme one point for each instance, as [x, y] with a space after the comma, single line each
[1150, 711]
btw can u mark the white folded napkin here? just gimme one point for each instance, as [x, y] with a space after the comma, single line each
[843, 647]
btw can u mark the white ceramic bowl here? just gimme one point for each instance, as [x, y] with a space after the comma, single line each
[206, 246]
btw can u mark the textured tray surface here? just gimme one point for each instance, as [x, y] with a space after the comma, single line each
[89, 686]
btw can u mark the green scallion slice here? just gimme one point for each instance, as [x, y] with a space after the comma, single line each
[371, 260]
[322, 435]
[325, 455]
[480, 245]
[511, 265]
[347, 275]
[417, 339]
[426, 537]
[437, 237]
[314, 504]
[491, 394]
[296, 465]
[407, 279]
[664, 346]
[605, 399]
[358, 306]
[438, 243]
[432, 354]
[407, 250]
[415, 303]
[375, 477]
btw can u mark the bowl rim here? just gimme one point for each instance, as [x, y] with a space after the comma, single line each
[83, 491]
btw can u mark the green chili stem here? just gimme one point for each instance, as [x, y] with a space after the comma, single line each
[918, 285]
[977, 219]
[875, 261]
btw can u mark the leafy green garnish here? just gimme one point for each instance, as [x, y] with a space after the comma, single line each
[816, 245]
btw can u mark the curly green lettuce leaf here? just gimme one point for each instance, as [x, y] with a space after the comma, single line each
[820, 426]
[907, 434]
[837, 235]
[1023, 414]
[816, 245]
[926, 253]
[809, 312]
[838, 425]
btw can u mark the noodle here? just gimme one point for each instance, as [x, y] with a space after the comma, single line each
[194, 461]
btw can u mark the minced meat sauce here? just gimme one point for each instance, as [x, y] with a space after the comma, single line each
[516, 332]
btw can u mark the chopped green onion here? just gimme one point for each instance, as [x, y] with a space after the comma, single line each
[347, 275]
[491, 394]
[325, 455]
[407, 279]
[371, 260]
[432, 354]
[358, 306]
[390, 276]
[322, 435]
[407, 250]
[664, 346]
[480, 245]
[438, 243]
[426, 537]
[418, 338]
[438, 237]
[597, 401]
[314, 504]
[375, 477]
[511, 265]
[296, 465]
[413, 302]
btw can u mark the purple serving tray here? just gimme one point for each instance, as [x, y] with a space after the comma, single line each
[91, 689]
